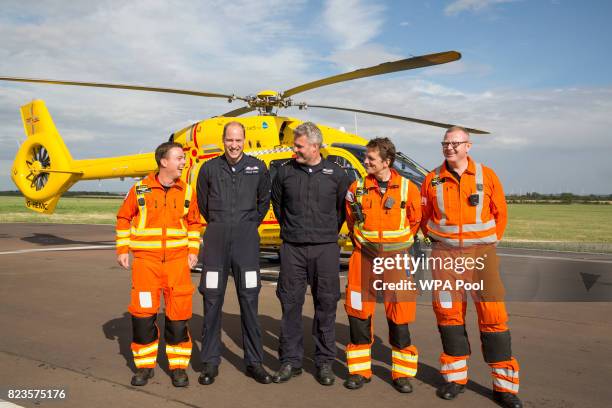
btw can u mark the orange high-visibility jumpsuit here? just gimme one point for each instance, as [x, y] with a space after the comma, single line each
[160, 227]
[464, 226]
[391, 219]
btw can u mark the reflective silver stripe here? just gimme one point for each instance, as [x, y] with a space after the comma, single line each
[146, 350]
[139, 362]
[358, 353]
[480, 193]
[498, 382]
[404, 198]
[359, 367]
[410, 372]
[506, 372]
[445, 229]
[461, 375]
[483, 226]
[489, 239]
[440, 198]
[457, 365]
[411, 358]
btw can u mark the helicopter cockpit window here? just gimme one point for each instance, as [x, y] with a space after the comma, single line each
[350, 171]
[403, 164]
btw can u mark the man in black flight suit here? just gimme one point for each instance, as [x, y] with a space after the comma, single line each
[308, 199]
[234, 197]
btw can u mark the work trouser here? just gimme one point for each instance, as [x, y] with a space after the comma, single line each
[400, 309]
[450, 306]
[149, 278]
[235, 249]
[317, 265]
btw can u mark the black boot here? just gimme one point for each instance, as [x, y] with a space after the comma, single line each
[259, 374]
[356, 381]
[507, 399]
[450, 390]
[142, 376]
[325, 375]
[179, 377]
[209, 372]
[285, 373]
[402, 384]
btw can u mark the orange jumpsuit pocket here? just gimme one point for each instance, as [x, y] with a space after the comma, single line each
[179, 303]
[144, 301]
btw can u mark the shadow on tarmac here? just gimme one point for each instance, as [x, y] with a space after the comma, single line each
[50, 239]
[119, 329]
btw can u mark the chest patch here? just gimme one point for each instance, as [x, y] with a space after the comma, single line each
[328, 171]
[251, 170]
[437, 180]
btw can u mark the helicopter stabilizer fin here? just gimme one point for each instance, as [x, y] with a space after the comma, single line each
[43, 167]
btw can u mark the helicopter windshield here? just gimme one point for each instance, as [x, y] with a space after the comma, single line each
[403, 164]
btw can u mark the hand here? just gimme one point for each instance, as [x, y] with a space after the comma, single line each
[192, 260]
[124, 260]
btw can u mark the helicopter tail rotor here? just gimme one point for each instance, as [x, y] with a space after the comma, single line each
[42, 169]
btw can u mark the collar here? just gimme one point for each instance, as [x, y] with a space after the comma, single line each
[372, 183]
[152, 181]
[316, 168]
[471, 169]
[238, 166]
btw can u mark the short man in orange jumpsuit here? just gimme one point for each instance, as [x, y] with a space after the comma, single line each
[383, 213]
[159, 223]
[464, 215]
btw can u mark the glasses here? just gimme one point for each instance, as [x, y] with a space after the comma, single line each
[455, 145]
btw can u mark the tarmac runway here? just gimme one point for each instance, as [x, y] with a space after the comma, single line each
[64, 326]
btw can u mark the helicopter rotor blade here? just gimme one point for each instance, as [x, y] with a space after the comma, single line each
[239, 111]
[122, 86]
[385, 68]
[406, 118]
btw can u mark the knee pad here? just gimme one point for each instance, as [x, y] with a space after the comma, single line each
[454, 340]
[496, 346]
[175, 331]
[144, 329]
[361, 330]
[399, 334]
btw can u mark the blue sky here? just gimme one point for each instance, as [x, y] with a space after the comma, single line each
[534, 73]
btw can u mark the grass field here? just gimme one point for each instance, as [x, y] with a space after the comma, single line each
[573, 227]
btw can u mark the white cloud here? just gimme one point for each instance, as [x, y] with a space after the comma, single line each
[354, 22]
[459, 6]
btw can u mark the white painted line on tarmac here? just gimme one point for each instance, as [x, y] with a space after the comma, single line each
[6, 404]
[78, 248]
[558, 258]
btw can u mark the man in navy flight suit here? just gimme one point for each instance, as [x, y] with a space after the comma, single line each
[233, 196]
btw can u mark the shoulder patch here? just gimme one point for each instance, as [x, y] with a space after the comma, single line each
[350, 197]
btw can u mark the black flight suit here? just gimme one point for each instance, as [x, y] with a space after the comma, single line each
[234, 200]
[309, 205]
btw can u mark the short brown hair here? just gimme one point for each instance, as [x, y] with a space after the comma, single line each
[233, 123]
[163, 149]
[385, 147]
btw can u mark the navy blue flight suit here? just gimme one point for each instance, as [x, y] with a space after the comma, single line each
[308, 202]
[234, 200]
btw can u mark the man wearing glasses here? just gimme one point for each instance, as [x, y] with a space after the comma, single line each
[464, 215]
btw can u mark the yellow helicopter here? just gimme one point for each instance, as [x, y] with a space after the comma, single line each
[44, 169]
